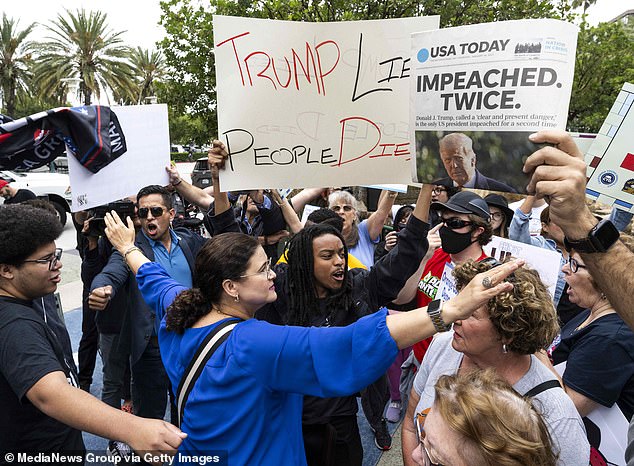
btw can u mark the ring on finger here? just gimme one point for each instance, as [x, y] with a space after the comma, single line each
[487, 283]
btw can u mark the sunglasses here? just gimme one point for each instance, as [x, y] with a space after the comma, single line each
[51, 261]
[419, 422]
[266, 271]
[574, 265]
[156, 211]
[345, 208]
[456, 223]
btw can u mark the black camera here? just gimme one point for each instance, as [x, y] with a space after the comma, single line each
[97, 224]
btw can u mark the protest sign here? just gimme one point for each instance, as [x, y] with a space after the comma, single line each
[547, 263]
[493, 85]
[147, 136]
[447, 288]
[611, 156]
[314, 104]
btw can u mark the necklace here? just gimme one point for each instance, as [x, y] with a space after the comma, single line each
[595, 314]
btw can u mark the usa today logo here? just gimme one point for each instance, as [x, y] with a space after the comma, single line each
[422, 55]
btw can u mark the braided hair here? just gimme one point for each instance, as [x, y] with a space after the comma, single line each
[303, 302]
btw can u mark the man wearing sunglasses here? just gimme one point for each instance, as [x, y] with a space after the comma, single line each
[41, 407]
[175, 250]
[466, 227]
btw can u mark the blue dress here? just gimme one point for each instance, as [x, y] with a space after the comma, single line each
[246, 407]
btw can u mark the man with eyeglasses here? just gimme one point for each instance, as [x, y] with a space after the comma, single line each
[41, 407]
[175, 250]
[440, 193]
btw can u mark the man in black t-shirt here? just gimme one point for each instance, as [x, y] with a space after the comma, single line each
[14, 196]
[41, 408]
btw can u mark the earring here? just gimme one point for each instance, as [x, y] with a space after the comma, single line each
[504, 349]
[237, 298]
[603, 296]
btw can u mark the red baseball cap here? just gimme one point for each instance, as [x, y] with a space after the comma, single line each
[3, 183]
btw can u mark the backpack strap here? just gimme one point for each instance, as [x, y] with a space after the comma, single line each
[554, 383]
[206, 349]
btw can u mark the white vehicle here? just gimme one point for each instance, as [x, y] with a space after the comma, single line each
[54, 187]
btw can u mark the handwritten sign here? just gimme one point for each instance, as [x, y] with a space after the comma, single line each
[547, 263]
[147, 136]
[303, 104]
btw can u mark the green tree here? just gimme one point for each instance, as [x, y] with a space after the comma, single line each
[605, 61]
[148, 67]
[83, 46]
[15, 62]
[188, 45]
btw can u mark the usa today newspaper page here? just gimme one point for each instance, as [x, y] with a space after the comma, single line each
[478, 91]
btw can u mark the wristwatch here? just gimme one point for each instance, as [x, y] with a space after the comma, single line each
[434, 310]
[600, 239]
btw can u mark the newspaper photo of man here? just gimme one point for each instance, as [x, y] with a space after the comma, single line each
[459, 160]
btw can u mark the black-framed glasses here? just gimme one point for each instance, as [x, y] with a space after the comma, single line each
[51, 260]
[156, 211]
[575, 265]
[345, 208]
[266, 271]
[419, 422]
[455, 223]
[438, 190]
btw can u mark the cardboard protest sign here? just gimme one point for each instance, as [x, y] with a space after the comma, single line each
[611, 156]
[314, 104]
[491, 85]
[147, 136]
[547, 263]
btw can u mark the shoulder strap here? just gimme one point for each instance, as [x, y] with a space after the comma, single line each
[554, 383]
[206, 349]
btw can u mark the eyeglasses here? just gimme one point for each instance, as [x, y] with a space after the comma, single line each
[437, 190]
[497, 215]
[419, 422]
[266, 272]
[345, 208]
[456, 223]
[156, 211]
[574, 265]
[51, 261]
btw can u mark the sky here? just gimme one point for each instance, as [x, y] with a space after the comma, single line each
[140, 17]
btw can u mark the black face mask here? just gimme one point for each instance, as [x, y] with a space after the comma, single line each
[452, 242]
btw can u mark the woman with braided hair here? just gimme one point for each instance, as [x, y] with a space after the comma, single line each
[317, 289]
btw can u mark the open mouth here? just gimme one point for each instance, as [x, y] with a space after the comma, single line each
[338, 275]
[151, 228]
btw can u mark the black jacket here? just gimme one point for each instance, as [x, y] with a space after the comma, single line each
[481, 182]
[138, 324]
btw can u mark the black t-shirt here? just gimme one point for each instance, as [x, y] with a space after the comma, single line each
[20, 196]
[29, 350]
[599, 360]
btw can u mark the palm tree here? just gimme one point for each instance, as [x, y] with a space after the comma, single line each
[15, 61]
[82, 46]
[149, 67]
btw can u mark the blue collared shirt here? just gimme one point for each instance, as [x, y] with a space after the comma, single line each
[173, 261]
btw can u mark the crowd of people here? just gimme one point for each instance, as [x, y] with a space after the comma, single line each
[260, 336]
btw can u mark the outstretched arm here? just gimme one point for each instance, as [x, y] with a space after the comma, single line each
[559, 174]
[376, 221]
[189, 192]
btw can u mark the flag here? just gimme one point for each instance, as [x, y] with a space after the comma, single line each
[92, 134]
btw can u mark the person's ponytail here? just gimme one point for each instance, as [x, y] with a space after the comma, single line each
[188, 307]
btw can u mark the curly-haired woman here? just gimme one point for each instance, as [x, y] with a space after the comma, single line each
[502, 335]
